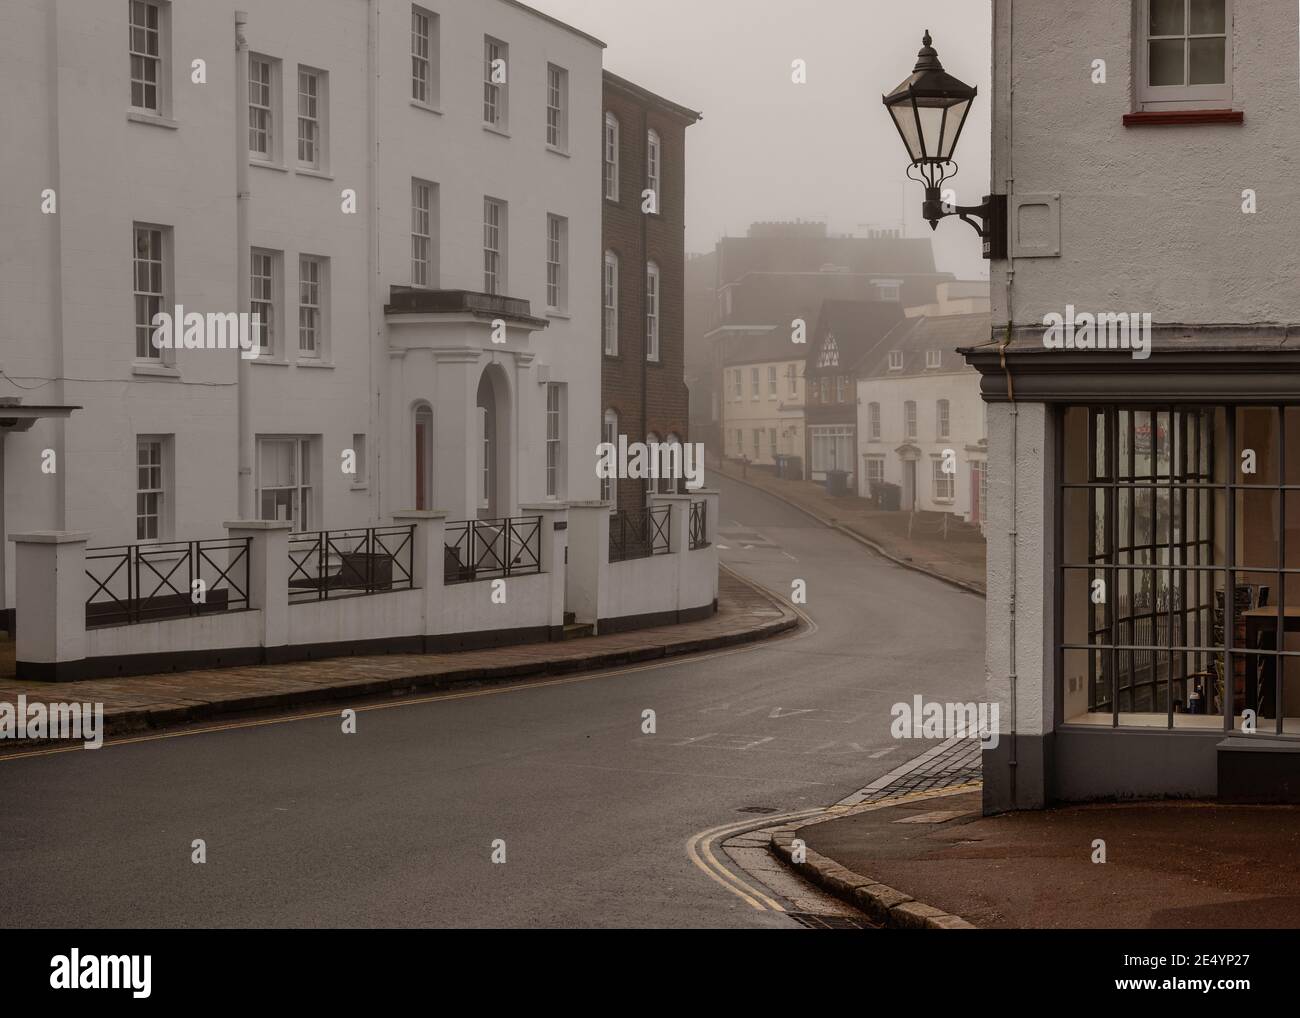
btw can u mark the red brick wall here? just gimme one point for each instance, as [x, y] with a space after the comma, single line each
[638, 238]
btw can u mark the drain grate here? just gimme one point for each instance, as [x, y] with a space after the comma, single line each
[829, 922]
[758, 809]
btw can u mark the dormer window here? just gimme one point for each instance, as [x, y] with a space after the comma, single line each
[895, 360]
[933, 358]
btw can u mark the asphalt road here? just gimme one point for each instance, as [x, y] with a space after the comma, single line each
[395, 825]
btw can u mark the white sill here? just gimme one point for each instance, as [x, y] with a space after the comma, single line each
[152, 119]
[427, 107]
[557, 151]
[149, 370]
[359, 487]
[309, 171]
[314, 362]
[274, 362]
[267, 165]
[557, 313]
[493, 129]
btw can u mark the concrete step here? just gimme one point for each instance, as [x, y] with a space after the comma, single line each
[576, 631]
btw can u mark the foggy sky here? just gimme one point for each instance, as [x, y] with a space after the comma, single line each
[770, 149]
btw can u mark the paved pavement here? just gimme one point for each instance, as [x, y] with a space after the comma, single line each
[143, 702]
[927, 541]
[395, 825]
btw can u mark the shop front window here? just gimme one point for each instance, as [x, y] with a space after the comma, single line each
[1180, 538]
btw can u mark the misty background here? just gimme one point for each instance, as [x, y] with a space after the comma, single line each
[768, 149]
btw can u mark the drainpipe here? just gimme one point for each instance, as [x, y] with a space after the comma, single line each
[645, 296]
[1015, 412]
[243, 412]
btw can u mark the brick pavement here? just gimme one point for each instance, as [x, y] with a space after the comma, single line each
[745, 613]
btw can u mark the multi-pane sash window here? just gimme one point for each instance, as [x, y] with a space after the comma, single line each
[1186, 51]
[421, 233]
[737, 385]
[557, 87]
[556, 240]
[147, 254]
[611, 157]
[261, 124]
[609, 435]
[792, 374]
[284, 480]
[146, 55]
[875, 471]
[771, 441]
[943, 483]
[909, 419]
[753, 384]
[494, 215]
[309, 83]
[149, 489]
[262, 290]
[653, 158]
[873, 422]
[554, 440]
[933, 358]
[771, 381]
[609, 325]
[652, 312]
[421, 46]
[942, 416]
[494, 82]
[310, 271]
[895, 360]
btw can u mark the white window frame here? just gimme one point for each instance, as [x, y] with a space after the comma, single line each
[424, 233]
[313, 119]
[360, 479]
[155, 295]
[263, 101]
[738, 385]
[909, 420]
[495, 236]
[152, 483]
[264, 294]
[149, 48]
[652, 311]
[557, 108]
[933, 359]
[942, 419]
[496, 95]
[313, 307]
[1182, 96]
[772, 384]
[555, 458]
[895, 360]
[557, 263]
[302, 488]
[944, 485]
[653, 164]
[873, 470]
[609, 303]
[609, 434]
[424, 57]
[873, 422]
[755, 385]
[610, 146]
[792, 373]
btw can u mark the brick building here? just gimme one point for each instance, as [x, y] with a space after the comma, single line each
[642, 379]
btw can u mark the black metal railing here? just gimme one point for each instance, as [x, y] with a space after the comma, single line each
[137, 583]
[326, 564]
[640, 533]
[490, 549]
[698, 525]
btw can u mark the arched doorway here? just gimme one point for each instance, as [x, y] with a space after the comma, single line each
[493, 403]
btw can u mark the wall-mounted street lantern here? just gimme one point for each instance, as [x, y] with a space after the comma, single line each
[929, 109]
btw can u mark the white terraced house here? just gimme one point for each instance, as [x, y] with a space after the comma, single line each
[408, 199]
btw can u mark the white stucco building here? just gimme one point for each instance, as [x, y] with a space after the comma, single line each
[918, 400]
[408, 195]
[1143, 534]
